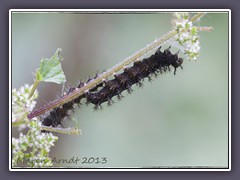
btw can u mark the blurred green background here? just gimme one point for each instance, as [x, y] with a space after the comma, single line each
[177, 120]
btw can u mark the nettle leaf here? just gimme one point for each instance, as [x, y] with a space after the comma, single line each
[51, 70]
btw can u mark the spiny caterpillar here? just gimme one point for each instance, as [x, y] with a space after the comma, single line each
[158, 63]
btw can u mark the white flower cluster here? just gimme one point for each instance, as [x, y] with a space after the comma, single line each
[31, 149]
[187, 35]
[21, 104]
[39, 143]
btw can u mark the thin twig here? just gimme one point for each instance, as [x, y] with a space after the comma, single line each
[36, 83]
[109, 73]
[69, 131]
[206, 29]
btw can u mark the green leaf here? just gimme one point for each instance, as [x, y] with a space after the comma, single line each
[50, 69]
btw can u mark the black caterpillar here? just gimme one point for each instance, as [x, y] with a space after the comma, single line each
[157, 63]
[58, 114]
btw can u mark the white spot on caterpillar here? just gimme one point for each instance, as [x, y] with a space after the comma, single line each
[104, 80]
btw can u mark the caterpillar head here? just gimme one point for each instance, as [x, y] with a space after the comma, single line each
[177, 62]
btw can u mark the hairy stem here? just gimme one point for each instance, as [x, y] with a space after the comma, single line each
[93, 83]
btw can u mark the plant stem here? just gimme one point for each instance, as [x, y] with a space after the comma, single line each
[108, 73]
[36, 82]
[206, 29]
[197, 17]
[69, 131]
